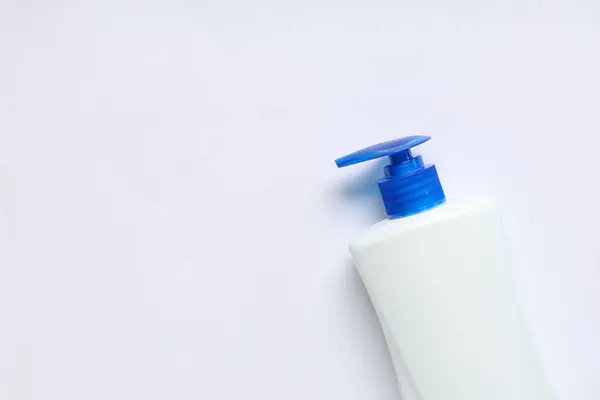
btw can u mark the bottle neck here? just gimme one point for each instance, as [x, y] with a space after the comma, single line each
[410, 188]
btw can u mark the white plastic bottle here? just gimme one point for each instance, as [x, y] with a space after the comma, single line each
[439, 277]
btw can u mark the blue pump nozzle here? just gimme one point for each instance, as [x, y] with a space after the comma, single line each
[409, 186]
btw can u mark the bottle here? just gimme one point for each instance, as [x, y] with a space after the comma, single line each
[439, 276]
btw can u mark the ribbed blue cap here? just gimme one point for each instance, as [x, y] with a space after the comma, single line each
[409, 186]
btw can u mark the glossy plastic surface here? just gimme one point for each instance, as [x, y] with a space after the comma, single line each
[442, 285]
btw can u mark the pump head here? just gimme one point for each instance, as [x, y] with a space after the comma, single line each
[409, 187]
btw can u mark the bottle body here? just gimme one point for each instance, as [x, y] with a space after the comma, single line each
[443, 289]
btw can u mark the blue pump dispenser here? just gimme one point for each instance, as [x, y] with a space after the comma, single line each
[409, 186]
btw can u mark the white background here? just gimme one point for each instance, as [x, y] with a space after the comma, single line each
[172, 224]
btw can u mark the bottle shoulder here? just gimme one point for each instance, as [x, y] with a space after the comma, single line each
[450, 210]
